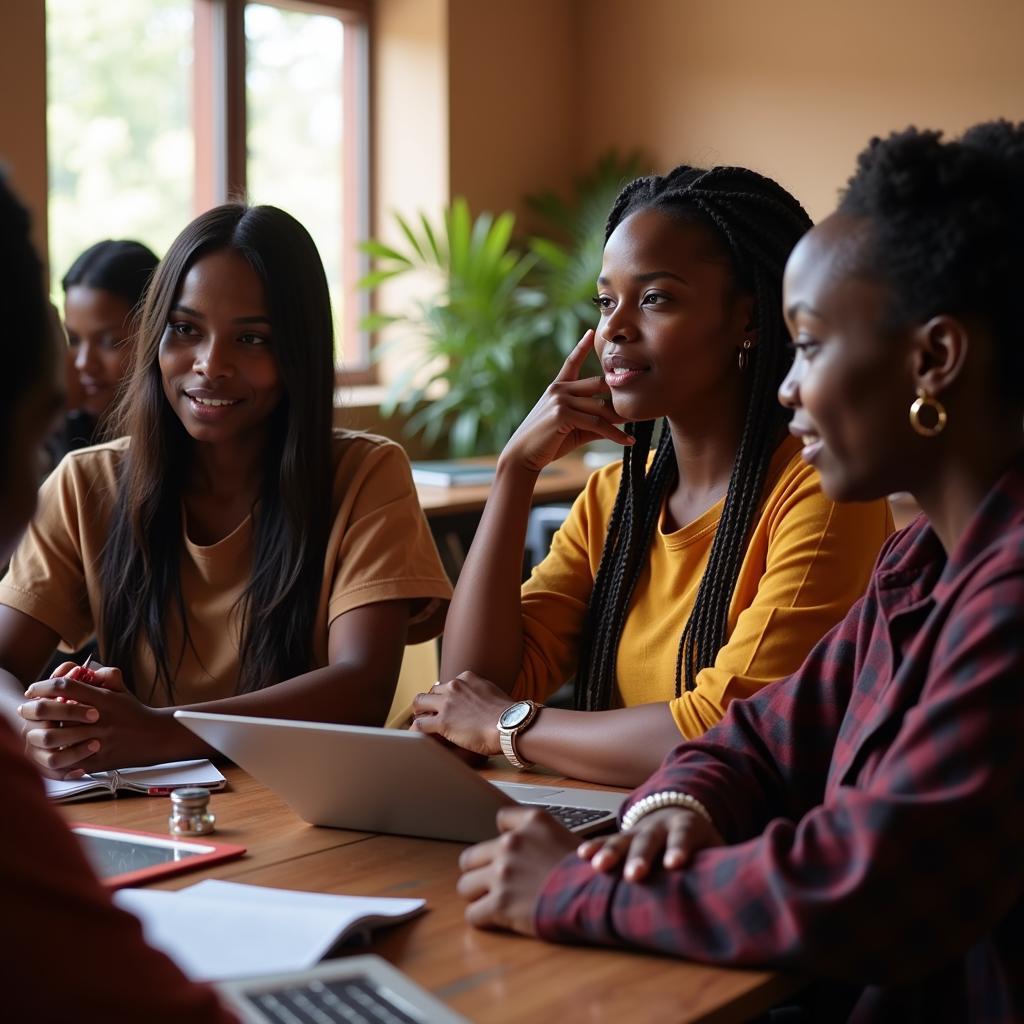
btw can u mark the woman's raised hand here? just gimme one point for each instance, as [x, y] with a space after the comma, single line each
[569, 414]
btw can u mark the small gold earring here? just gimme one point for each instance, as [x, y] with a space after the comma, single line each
[935, 407]
[744, 356]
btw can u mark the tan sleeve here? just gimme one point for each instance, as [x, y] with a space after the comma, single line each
[46, 579]
[556, 596]
[385, 548]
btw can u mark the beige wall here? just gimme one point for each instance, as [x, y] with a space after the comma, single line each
[513, 99]
[23, 106]
[793, 88]
[537, 89]
[492, 99]
[410, 105]
[410, 131]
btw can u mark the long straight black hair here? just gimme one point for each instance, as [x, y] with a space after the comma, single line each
[140, 573]
[122, 267]
[757, 223]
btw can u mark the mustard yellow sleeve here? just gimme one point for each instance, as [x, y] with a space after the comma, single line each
[46, 579]
[555, 597]
[817, 558]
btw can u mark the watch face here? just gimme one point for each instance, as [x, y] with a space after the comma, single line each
[515, 715]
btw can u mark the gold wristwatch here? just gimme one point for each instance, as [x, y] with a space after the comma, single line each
[513, 720]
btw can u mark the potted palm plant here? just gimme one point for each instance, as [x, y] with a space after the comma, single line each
[481, 351]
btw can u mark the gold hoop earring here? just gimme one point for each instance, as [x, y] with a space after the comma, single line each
[937, 409]
[744, 356]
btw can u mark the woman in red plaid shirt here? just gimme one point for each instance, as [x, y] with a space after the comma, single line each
[862, 820]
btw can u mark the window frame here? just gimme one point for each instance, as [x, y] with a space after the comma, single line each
[220, 131]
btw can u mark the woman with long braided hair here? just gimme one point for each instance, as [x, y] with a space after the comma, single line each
[860, 823]
[688, 575]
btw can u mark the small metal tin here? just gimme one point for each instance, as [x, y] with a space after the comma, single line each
[190, 813]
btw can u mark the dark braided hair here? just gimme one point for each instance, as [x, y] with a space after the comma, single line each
[946, 230]
[757, 222]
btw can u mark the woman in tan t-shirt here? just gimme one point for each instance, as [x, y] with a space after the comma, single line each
[230, 540]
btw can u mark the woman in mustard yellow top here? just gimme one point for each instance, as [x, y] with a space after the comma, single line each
[685, 577]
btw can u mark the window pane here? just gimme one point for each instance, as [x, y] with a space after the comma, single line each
[121, 160]
[295, 120]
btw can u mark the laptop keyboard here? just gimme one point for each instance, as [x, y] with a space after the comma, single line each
[573, 817]
[348, 1000]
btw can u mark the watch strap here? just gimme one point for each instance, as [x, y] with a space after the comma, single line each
[508, 748]
[507, 739]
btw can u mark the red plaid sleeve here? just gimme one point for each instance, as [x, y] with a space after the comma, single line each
[769, 756]
[915, 850]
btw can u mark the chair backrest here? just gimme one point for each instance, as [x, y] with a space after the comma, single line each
[419, 673]
[542, 525]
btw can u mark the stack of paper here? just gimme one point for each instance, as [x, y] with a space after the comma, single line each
[216, 930]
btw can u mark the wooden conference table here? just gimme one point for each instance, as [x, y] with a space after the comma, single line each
[490, 977]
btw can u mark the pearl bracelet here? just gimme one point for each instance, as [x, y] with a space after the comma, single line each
[659, 801]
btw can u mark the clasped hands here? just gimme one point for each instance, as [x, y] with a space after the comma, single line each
[84, 720]
[502, 879]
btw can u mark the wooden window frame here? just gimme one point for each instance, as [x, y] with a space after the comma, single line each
[219, 121]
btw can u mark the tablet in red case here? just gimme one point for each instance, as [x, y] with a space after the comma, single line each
[123, 857]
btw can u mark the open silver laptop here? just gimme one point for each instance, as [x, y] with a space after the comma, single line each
[358, 988]
[385, 780]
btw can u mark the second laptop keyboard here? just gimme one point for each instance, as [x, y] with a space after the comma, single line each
[573, 817]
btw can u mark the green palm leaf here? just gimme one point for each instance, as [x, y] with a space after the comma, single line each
[501, 317]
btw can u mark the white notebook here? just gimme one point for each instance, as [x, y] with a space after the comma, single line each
[216, 930]
[156, 780]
